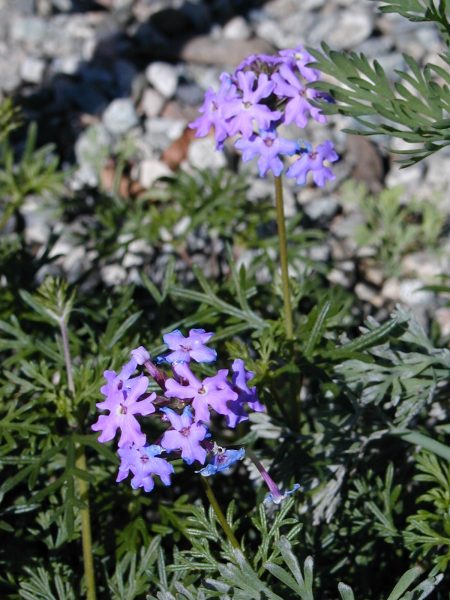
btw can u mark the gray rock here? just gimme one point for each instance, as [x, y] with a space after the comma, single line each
[30, 31]
[160, 132]
[190, 94]
[321, 208]
[91, 149]
[151, 103]
[352, 28]
[207, 51]
[410, 177]
[150, 170]
[10, 71]
[113, 275]
[66, 65]
[62, 5]
[163, 77]
[438, 174]
[237, 29]
[425, 266]
[120, 116]
[32, 70]
[202, 154]
[442, 316]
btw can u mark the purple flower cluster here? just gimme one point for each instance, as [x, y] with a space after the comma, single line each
[262, 94]
[185, 405]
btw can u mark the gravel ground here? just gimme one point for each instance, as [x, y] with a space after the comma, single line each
[95, 73]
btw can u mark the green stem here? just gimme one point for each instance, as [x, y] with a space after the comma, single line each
[288, 322]
[80, 463]
[425, 442]
[219, 514]
[86, 535]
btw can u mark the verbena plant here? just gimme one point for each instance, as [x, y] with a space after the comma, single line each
[352, 442]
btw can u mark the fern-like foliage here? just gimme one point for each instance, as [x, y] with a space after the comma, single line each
[415, 109]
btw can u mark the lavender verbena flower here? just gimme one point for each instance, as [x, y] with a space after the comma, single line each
[300, 57]
[213, 111]
[221, 461]
[268, 147]
[276, 496]
[212, 391]
[123, 403]
[143, 464]
[193, 346]
[186, 435]
[298, 108]
[247, 395]
[243, 113]
[313, 161]
[259, 62]
[140, 355]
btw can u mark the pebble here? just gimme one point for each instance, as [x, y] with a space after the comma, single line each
[202, 154]
[352, 28]
[237, 29]
[113, 275]
[163, 77]
[32, 70]
[204, 50]
[160, 132]
[442, 316]
[151, 103]
[321, 208]
[150, 170]
[120, 116]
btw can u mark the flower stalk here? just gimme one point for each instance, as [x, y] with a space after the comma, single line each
[219, 514]
[83, 487]
[282, 240]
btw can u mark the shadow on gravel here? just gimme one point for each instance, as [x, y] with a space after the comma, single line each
[70, 100]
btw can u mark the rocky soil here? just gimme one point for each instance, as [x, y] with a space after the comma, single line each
[97, 74]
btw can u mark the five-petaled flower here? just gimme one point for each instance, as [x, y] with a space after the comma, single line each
[185, 435]
[123, 402]
[143, 463]
[212, 391]
[194, 346]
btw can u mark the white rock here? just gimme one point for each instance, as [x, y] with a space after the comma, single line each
[113, 274]
[66, 65]
[151, 103]
[120, 116]
[237, 29]
[162, 131]
[442, 316]
[182, 226]
[150, 170]
[32, 70]
[163, 77]
[410, 177]
[352, 28]
[202, 154]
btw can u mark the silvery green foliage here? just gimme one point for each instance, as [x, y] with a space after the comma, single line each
[239, 581]
[414, 109]
[406, 372]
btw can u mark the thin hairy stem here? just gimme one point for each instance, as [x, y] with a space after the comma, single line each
[288, 322]
[83, 487]
[219, 514]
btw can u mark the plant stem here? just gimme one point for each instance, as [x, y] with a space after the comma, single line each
[83, 487]
[219, 514]
[86, 536]
[288, 322]
[419, 439]
[67, 358]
